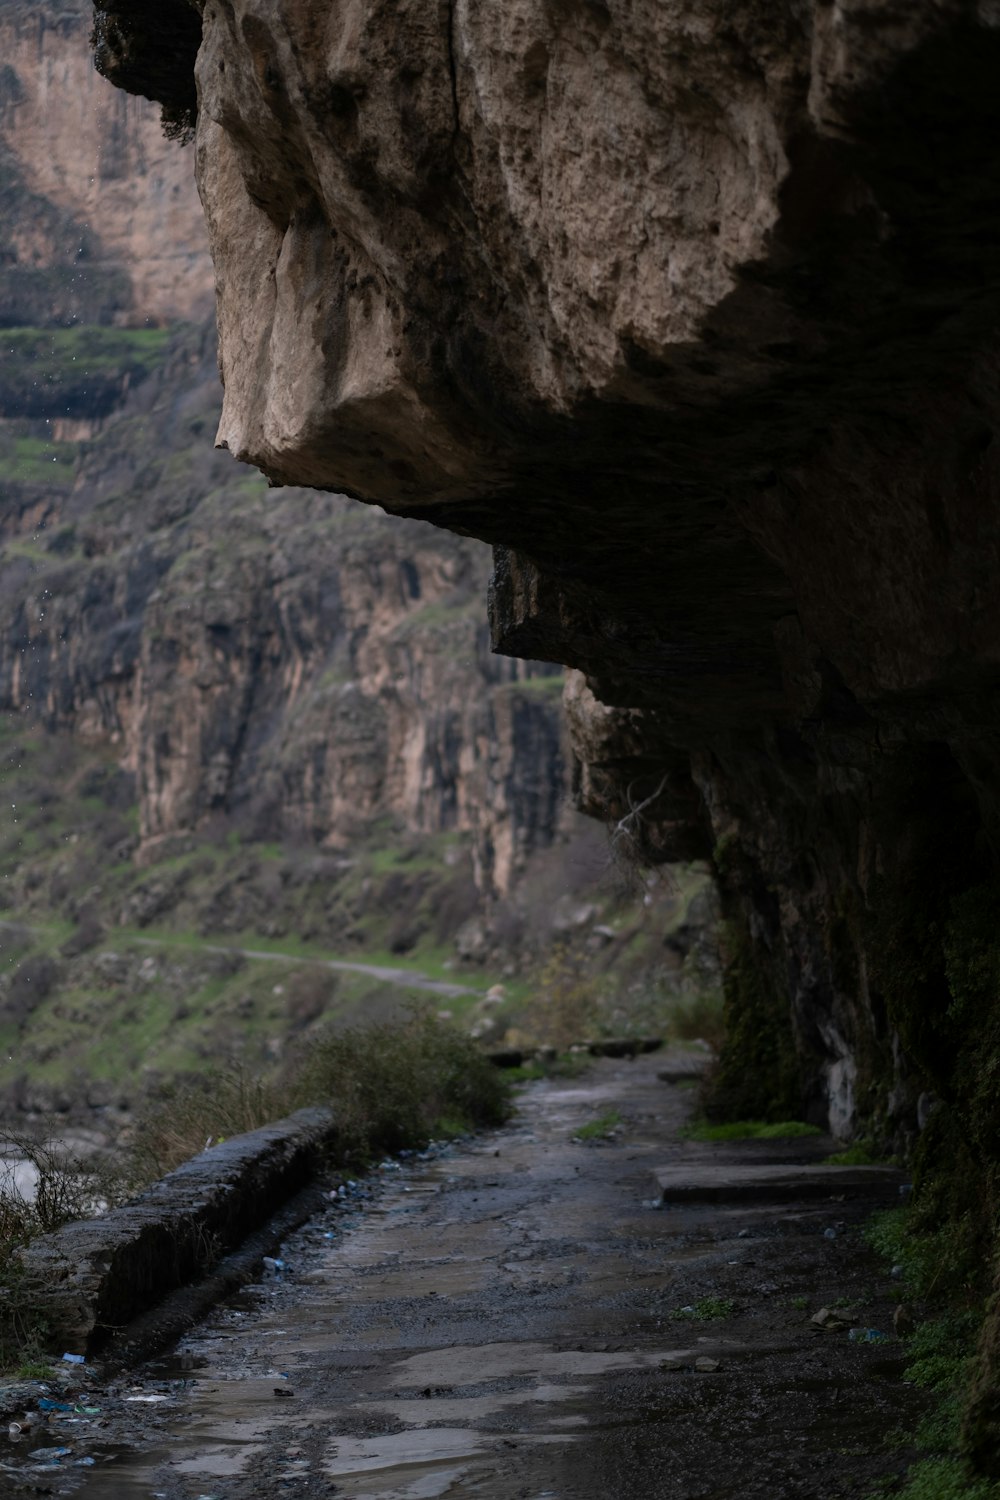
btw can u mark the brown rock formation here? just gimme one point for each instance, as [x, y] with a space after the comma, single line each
[694, 307]
[99, 222]
[293, 663]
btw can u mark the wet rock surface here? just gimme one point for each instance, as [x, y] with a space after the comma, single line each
[511, 1317]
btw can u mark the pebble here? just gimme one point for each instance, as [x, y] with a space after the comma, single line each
[705, 1366]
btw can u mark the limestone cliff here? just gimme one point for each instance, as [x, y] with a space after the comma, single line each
[298, 682]
[302, 682]
[98, 222]
[694, 307]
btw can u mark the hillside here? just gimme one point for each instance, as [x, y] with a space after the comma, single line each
[234, 720]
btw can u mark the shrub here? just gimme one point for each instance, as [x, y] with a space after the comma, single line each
[68, 1187]
[187, 1116]
[391, 1085]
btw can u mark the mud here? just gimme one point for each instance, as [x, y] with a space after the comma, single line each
[505, 1319]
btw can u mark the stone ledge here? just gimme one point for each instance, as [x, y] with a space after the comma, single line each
[734, 1182]
[96, 1276]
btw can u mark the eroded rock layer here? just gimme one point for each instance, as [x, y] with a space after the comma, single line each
[692, 310]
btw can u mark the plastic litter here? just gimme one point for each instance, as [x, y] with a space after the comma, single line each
[84, 1463]
[15, 1429]
[272, 1264]
[45, 1454]
[867, 1336]
[896, 1272]
[829, 1234]
[46, 1405]
[148, 1400]
[652, 1202]
[74, 1359]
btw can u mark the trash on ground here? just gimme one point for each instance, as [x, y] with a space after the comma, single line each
[867, 1336]
[147, 1400]
[46, 1405]
[74, 1359]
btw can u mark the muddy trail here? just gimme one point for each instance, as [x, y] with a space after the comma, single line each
[521, 1315]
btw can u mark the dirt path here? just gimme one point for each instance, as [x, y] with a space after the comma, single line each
[504, 1321]
[411, 979]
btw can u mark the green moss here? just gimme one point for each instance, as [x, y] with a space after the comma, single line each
[859, 1155]
[706, 1309]
[597, 1130]
[757, 1075]
[945, 1479]
[751, 1130]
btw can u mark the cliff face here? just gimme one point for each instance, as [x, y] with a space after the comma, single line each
[302, 682]
[694, 308]
[299, 681]
[98, 222]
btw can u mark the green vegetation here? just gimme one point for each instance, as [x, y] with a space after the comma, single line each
[68, 1187]
[706, 1309]
[389, 1086]
[944, 1479]
[751, 1130]
[600, 1129]
[938, 1263]
[399, 1085]
[858, 1155]
[757, 1076]
[36, 461]
[563, 1065]
[698, 1016]
[77, 371]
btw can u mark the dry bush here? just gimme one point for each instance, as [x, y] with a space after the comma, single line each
[69, 1187]
[567, 1007]
[194, 1113]
[698, 1016]
[399, 1083]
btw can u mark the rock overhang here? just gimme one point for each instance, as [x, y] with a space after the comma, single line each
[692, 313]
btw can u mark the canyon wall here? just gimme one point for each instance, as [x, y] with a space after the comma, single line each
[98, 220]
[691, 310]
[297, 683]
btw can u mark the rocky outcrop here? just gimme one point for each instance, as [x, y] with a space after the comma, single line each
[290, 665]
[693, 310]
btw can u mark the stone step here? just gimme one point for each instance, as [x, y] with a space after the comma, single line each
[731, 1182]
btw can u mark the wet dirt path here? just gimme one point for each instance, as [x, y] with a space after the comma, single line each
[506, 1321]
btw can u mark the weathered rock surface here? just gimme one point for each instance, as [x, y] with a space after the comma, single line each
[97, 1275]
[694, 309]
[300, 668]
[98, 220]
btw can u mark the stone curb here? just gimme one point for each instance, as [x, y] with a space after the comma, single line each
[94, 1277]
[771, 1182]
